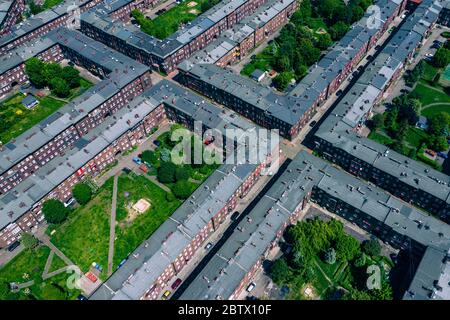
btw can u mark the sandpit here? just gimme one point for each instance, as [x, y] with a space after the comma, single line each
[141, 206]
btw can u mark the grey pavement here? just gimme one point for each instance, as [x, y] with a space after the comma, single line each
[112, 226]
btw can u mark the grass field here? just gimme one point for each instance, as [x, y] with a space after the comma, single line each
[131, 234]
[84, 237]
[427, 94]
[262, 61]
[169, 22]
[380, 137]
[27, 266]
[428, 111]
[17, 119]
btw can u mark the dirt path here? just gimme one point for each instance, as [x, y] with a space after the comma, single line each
[112, 226]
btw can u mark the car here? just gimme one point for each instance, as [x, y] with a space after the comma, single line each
[428, 55]
[165, 295]
[250, 287]
[312, 123]
[355, 73]
[208, 246]
[81, 297]
[235, 215]
[13, 246]
[442, 155]
[338, 93]
[360, 68]
[176, 284]
[377, 47]
[126, 170]
[436, 46]
[156, 143]
[137, 161]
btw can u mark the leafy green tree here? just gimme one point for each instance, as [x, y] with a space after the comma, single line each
[441, 58]
[438, 124]
[28, 240]
[355, 294]
[34, 69]
[54, 211]
[51, 71]
[330, 256]
[323, 41]
[371, 247]
[59, 87]
[376, 122]
[347, 247]
[82, 193]
[384, 293]
[360, 260]
[182, 189]
[170, 197]
[338, 30]
[282, 63]
[166, 172]
[282, 80]
[71, 76]
[280, 271]
[181, 173]
[149, 157]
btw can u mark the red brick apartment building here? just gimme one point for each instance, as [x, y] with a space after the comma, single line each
[10, 14]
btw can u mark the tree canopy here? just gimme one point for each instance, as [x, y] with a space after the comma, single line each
[54, 211]
[82, 193]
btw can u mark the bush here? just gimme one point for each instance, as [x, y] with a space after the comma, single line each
[170, 197]
[29, 241]
[371, 247]
[166, 172]
[280, 272]
[54, 211]
[82, 193]
[181, 173]
[182, 189]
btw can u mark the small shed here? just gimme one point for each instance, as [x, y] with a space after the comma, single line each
[258, 75]
[30, 101]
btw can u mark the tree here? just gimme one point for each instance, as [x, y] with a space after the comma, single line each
[441, 58]
[166, 172]
[347, 247]
[181, 173]
[182, 189]
[330, 256]
[438, 124]
[54, 211]
[28, 240]
[59, 87]
[282, 80]
[355, 294]
[170, 197]
[71, 76]
[360, 260]
[280, 271]
[149, 157]
[82, 193]
[282, 63]
[371, 247]
[323, 41]
[34, 69]
[338, 30]
[376, 122]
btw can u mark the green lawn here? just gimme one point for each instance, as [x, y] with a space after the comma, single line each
[415, 136]
[84, 237]
[50, 4]
[429, 72]
[17, 119]
[29, 265]
[428, 95]
[262, 61]
[428, 111]
[169, 22]
[131, 233]
[380, 137]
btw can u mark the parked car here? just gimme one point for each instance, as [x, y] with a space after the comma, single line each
[165, 295]
[429, 55]
[313, 123]
[126, 170]
[176, 284]
[442, 155]
[338, 93]
[137, 161]
[13, 246]
[143, 168]
[156, 143]
[251, 286]
[208, 246]
[235, 215]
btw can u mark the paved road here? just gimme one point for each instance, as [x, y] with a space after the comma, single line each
[228, 232]
[112, 226]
